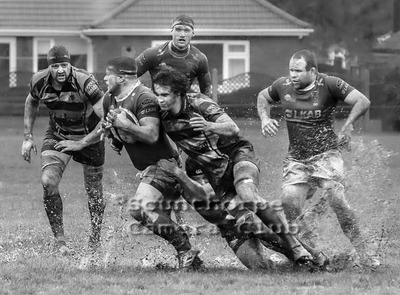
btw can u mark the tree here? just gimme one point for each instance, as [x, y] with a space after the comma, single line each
[352, 24]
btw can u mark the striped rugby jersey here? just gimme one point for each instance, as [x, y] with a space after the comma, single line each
[71, 112]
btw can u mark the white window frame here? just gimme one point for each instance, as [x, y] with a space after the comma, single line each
[36, 51]
[226, 54]
[12, 60]
[12, 42]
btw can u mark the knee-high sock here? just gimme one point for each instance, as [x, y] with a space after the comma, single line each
[166, 228]
[93, 184]
[249, 222]
[96, 209]
[54, 210]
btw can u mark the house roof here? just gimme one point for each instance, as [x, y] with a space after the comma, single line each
[145, 17]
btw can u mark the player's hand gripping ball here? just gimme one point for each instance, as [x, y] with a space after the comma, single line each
[120, 118]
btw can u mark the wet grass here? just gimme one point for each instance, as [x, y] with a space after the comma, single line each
[144, 264]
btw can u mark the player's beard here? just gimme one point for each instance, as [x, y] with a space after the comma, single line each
[114, 89]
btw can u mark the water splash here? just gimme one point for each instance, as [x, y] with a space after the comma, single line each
[368, 190]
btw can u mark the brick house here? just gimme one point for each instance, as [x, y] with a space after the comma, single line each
[238, 36]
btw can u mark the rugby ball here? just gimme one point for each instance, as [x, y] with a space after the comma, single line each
[122, 135]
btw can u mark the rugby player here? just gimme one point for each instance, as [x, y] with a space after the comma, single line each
[132, 121]
[74, 100]
[179, 54]
[210, 138]
[314, 158]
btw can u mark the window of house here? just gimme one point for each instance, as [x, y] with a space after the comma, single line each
[236, 58]
[8, 62]
[41, 47]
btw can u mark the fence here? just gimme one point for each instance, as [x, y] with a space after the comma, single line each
[238, 95]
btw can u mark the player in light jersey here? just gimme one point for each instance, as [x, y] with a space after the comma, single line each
[314, 158]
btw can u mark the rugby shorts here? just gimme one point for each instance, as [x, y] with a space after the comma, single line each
[327, 165]
[92, 155]
[159, 179]
[226, 188]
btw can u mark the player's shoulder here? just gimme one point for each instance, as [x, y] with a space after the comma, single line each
[144, 96]
[197, 98]
[329, 80]
[282, 82]
[285, 80]
[156, 50]
[144, 91]
[197, 52]
[86, 81]
[40, 77]
[202, 103]
[151, 55]
[81, 74]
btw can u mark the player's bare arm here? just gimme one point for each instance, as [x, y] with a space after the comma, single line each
[360, 105]
[147, 131]
[224, 125]
[28, 144]
[268, 126]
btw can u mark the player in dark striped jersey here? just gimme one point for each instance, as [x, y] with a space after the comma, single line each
[178, 54]
[314, 159]
[132, 121]
[74, 100]
[210, 138]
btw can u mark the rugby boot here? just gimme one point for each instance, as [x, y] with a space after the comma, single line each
[301, 255]
[189, 260]
[321, 261]
[60, 246]
[89, 260]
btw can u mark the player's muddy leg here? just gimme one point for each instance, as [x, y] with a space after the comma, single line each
[248, 222]
[93, 184]
[145, 208]
[334, 191]
[246, 175]
[251, 254]
[350, 225]
[293, 199]
[51, 177]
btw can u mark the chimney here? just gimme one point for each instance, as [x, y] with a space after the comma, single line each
[396, 16]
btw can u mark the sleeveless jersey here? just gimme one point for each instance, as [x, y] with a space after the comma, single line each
[142, 103]
[194, 64]
[209, 150]
[309, 114]
[71, 111]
